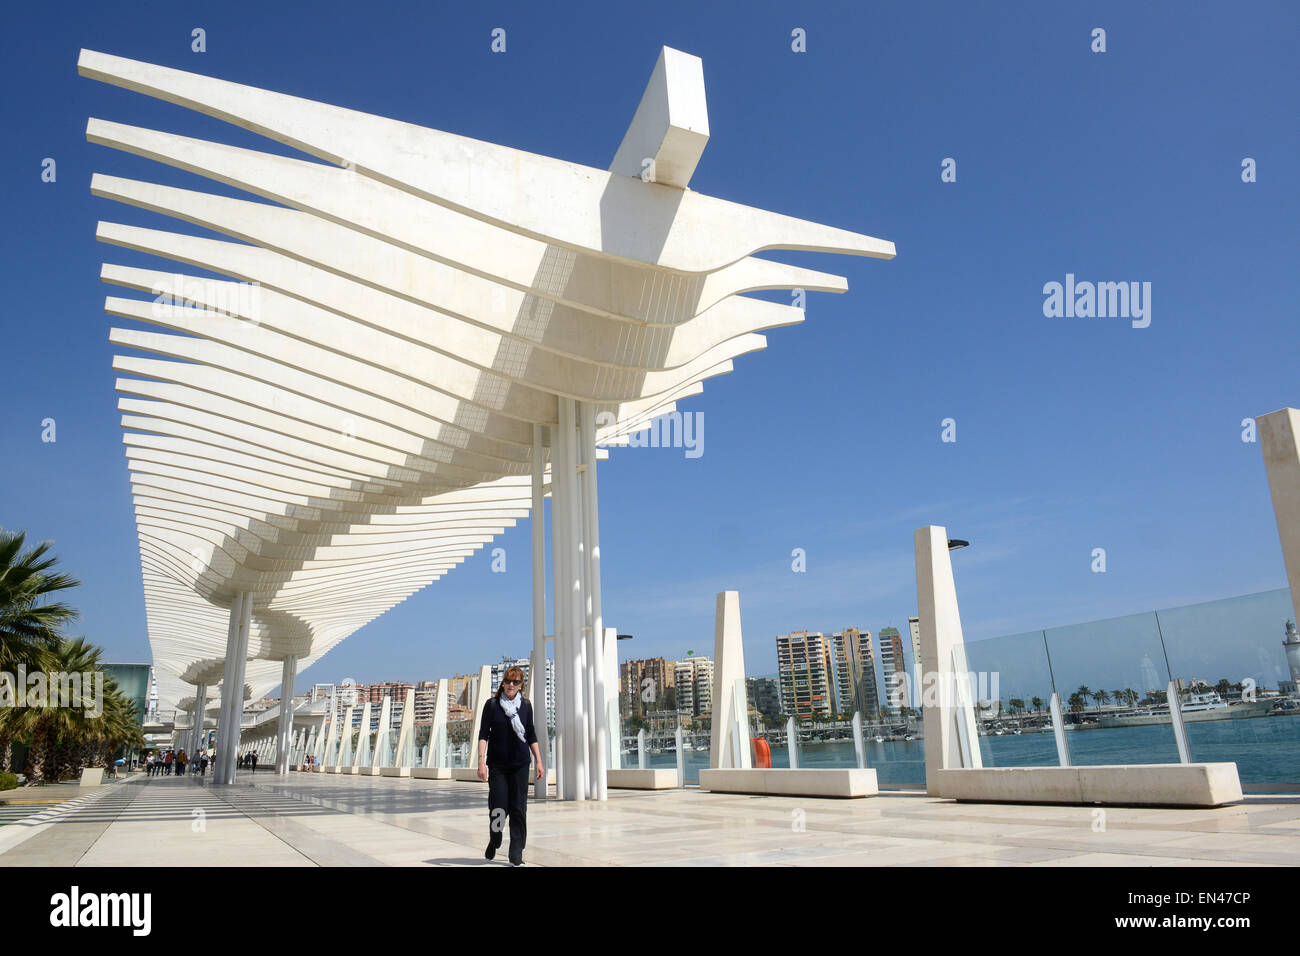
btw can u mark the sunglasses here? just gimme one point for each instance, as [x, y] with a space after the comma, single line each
[514, 682]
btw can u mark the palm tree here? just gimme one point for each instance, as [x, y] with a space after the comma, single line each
[57, 728]
[29, 627]
[1038, 704]
[29, 623]
[1100, 696]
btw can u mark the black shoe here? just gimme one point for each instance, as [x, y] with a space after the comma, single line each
[490, 852]
[517, 861]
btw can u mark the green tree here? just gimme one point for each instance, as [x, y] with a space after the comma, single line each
[1038, 704]
[29, 622]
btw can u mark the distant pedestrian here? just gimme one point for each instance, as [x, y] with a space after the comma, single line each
[505, 739]
[252, 760]
[203, 765]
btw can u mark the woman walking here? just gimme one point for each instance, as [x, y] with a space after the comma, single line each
[505, 739]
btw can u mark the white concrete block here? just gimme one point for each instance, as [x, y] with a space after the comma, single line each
[782, 781]
[92, 776]
[1173, 785]
[659, 778]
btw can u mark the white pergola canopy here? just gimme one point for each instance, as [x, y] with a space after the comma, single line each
[351, 415]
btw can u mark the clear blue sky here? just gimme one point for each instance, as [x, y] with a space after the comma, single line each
[1073, 434]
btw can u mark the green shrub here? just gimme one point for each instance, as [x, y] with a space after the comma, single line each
[8, 781]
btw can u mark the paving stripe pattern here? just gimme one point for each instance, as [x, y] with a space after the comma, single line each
[328, 820]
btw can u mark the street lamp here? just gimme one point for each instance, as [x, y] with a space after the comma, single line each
[956, 543]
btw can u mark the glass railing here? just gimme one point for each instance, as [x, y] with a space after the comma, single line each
[1232, 689]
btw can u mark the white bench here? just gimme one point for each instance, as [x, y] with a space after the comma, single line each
[1151, 785]
[657, 778]
[784, 782]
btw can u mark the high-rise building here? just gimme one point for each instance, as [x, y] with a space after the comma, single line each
[642, 684]
[462, 689]
[805, 674]
[693, 679]
[347, 694]
[914, 625]
[918, 672]
[855, 672]
[893, 669]
[426, 701]
[763, 695]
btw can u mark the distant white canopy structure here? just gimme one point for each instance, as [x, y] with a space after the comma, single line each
[417, 334]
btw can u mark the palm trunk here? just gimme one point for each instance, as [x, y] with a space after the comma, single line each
[6, 752]
[36, 755]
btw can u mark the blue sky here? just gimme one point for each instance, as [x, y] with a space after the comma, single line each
[1072, 434]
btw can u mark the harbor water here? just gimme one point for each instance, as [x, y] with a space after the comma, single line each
[1266, 751]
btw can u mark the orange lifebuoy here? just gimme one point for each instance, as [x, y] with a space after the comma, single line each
[762, 754]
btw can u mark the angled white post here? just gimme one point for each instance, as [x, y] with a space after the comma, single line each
[436, 755]
[344, 757]
[380, 755]
[940, 623]
[362, 756]
[402, 758]
[1280, 444]
[730, 717]
[482, 692]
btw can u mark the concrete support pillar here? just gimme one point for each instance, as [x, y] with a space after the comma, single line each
[613, 732]
[562, 565]
[570, 518]
[597, 739]
[232, 687]
[284, 751]
[1278, 441]
[729, 737]
[537, 665]
[200, 709]
[953, 719]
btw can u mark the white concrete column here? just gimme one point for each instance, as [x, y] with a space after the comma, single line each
[223, 717]
[288, 674]
[613, 732]
[537, 665]
[941, 638]
[232, 686]
[598, 739]
[562, 560]
[729, 735]
[1278, 441]
[200, 706]
[570, 522]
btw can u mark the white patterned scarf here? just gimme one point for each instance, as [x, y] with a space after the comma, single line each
[511, 708]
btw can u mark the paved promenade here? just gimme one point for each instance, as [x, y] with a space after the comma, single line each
[328, 820]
